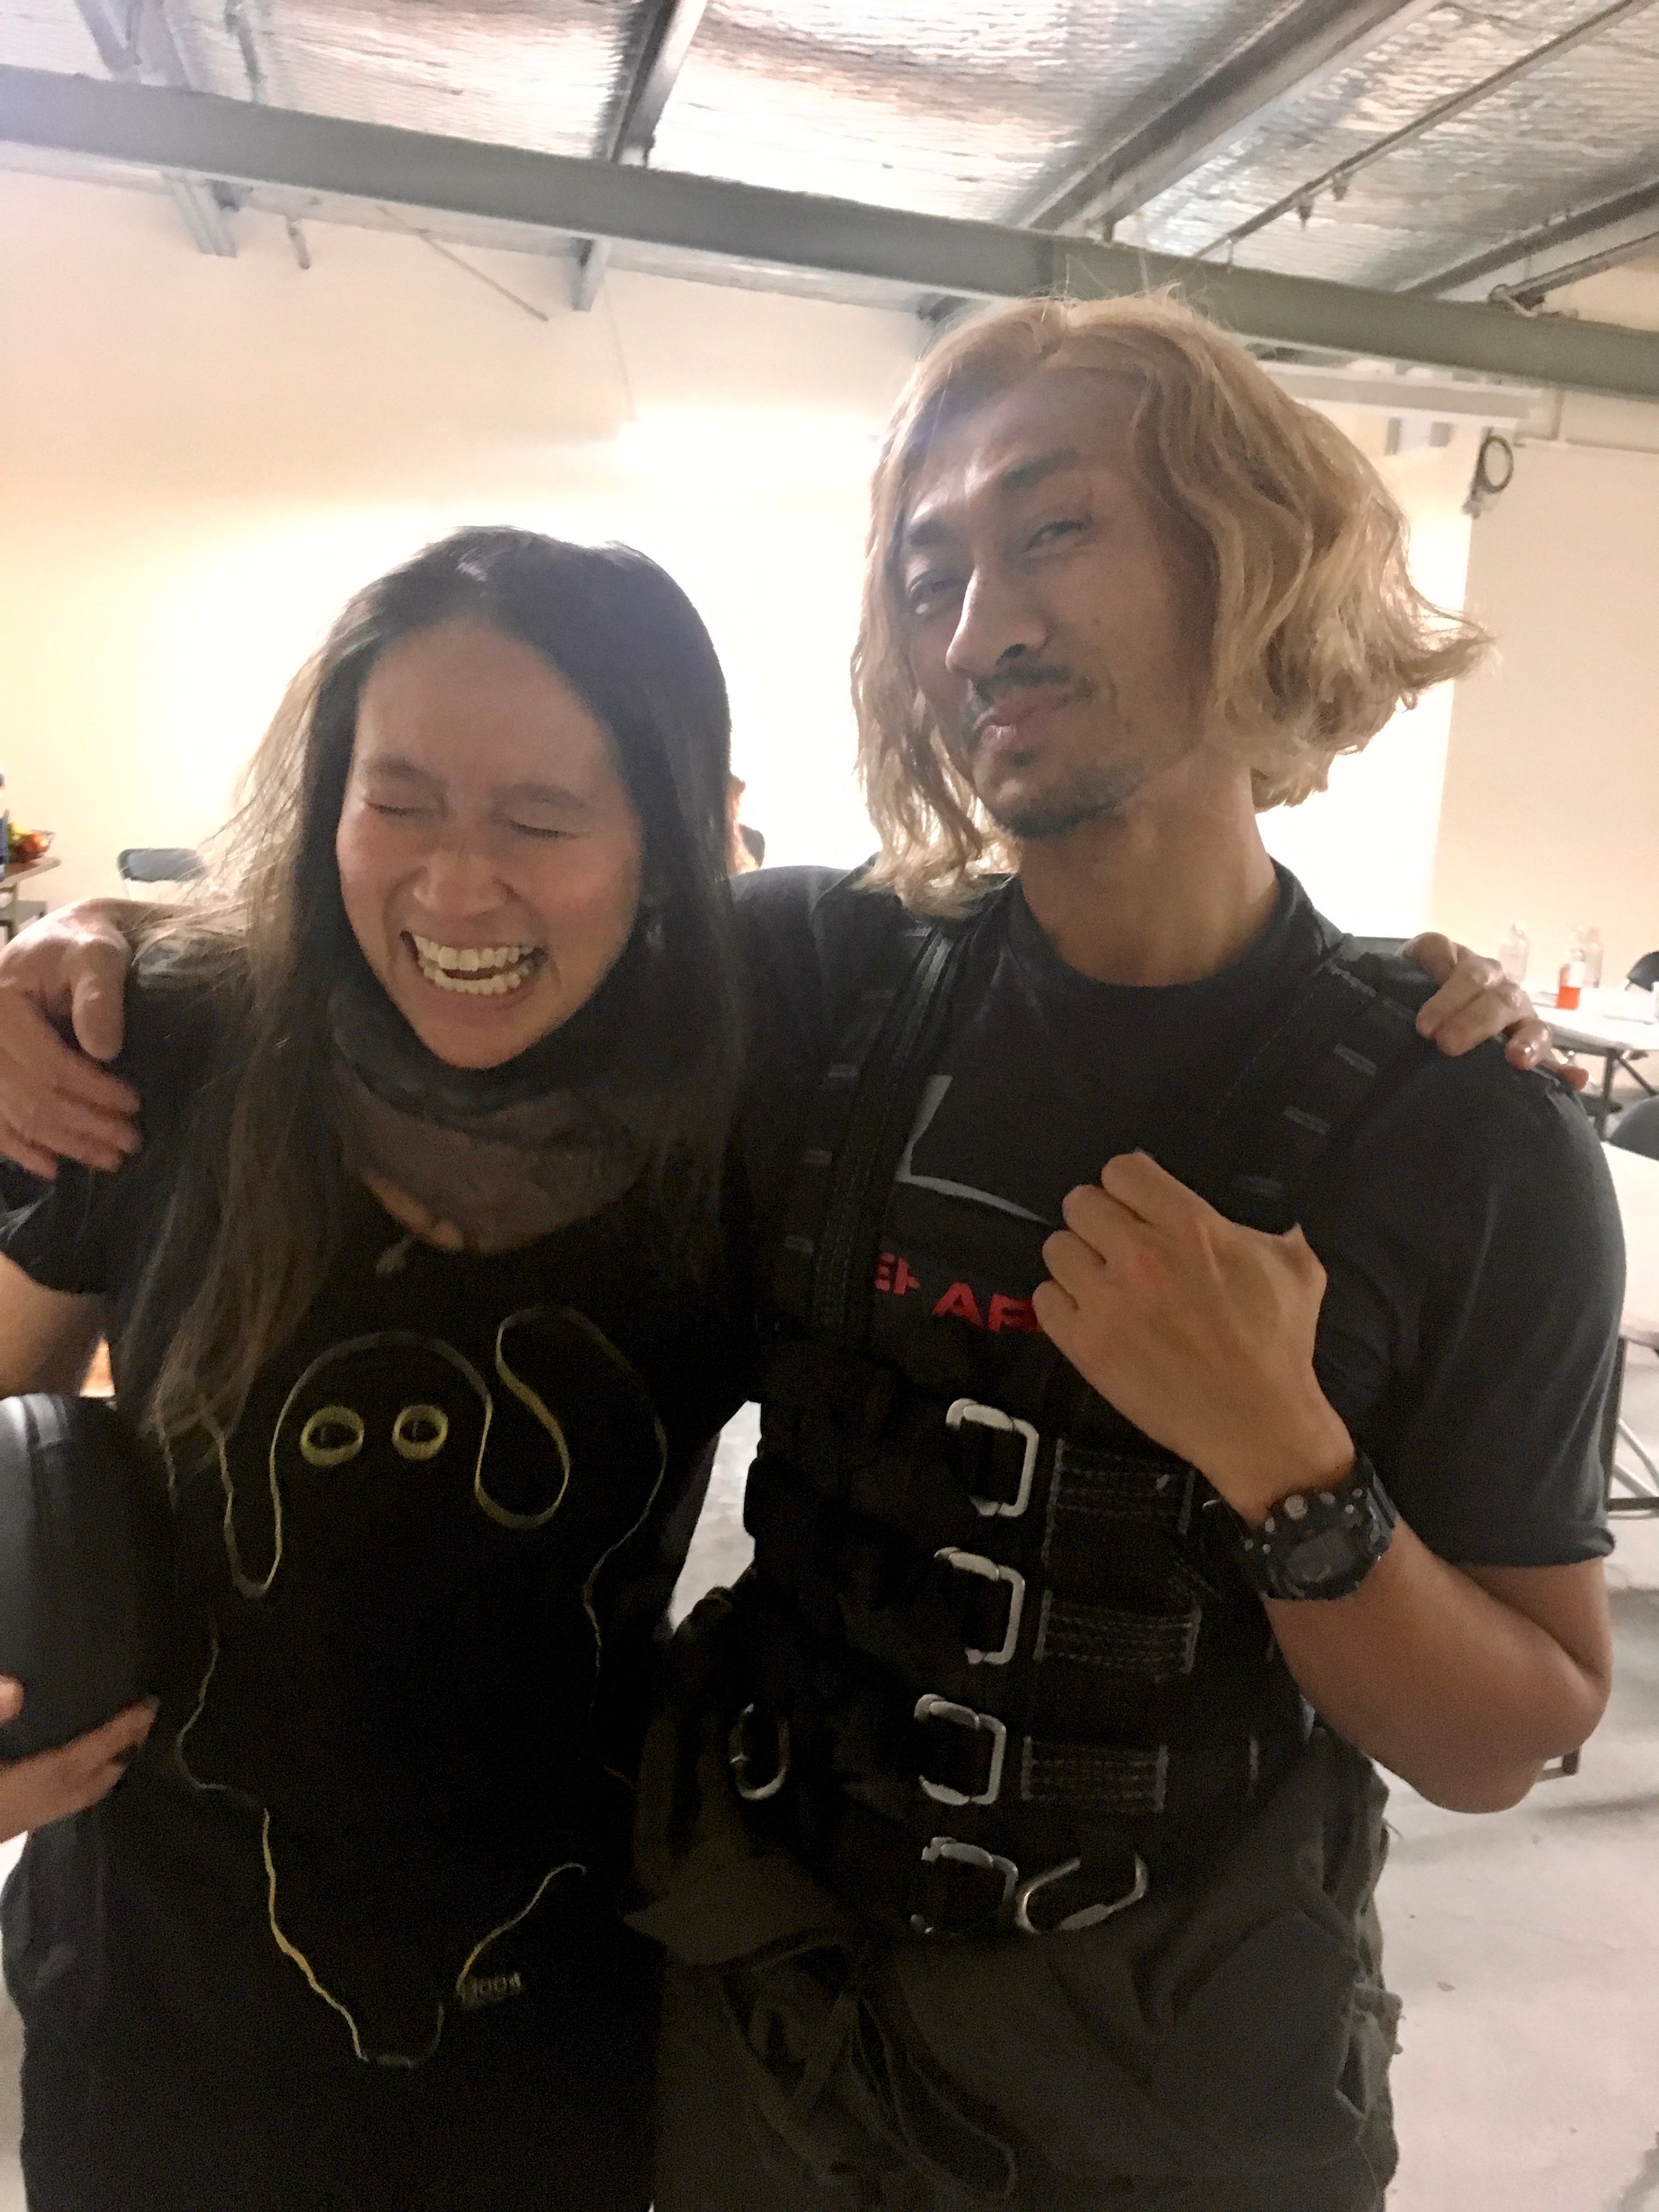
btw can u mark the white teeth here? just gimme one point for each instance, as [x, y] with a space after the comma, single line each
[477, 970]
[477, 987]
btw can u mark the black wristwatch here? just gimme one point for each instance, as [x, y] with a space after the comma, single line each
[1318, 1543]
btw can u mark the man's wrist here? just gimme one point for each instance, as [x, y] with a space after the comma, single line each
[1320, 1543]
[1317, 1454]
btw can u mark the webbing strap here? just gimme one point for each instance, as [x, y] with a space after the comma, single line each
[1150, 1645]
[877, 1125]
[944, 1887]
[1255, 1153]
[1093, 1486]
[965, 1758]
[1094, 1778]
[856, 1129]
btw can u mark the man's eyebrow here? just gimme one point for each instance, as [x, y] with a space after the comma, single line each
[1024, 474]
[1020, 477]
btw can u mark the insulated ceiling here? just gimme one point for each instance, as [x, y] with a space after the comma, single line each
[953, 110]
[537, 73]
[1570, 132]
[975, 107]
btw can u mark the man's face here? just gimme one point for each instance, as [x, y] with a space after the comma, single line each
[1054, 625]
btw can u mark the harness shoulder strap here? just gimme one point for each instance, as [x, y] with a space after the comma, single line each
[856, 1125]
[1254, 1154]
[1346, 1036]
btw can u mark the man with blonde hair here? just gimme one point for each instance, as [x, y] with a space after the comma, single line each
[1172, 1401]
[1172, 1396]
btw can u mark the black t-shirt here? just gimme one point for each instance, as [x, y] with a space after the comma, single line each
[1469, 1231]
[420, 1586]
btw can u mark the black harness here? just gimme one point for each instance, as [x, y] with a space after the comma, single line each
[998, 1670]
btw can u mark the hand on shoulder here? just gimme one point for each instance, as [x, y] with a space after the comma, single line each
[1476, 1001]
[66, 972]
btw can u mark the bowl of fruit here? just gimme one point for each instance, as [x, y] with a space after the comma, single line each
[24, 846]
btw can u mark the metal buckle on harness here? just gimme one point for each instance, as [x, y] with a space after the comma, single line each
[1090, 1916]
[932, 1708]
[740, 1759]
[974, 1562]
[993, 1416]
[968, 1854]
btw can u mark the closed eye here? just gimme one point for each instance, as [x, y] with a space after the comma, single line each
[1052, 533]
[926, 592]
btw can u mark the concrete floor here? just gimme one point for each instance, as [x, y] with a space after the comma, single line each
[1525, 1944]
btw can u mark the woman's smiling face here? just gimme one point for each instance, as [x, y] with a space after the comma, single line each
[489, 855]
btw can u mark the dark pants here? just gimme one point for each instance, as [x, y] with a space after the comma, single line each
[1222, 2047]
[718, 2153]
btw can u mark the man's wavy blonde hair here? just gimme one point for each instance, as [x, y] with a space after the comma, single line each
[1317, 631]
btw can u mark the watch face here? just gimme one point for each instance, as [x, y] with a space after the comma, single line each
[1322, 1559]
[1321, 1544]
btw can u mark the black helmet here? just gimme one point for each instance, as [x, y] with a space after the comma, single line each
[86, 1568]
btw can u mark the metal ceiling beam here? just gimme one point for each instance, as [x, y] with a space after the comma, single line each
[1526, 270]
[150, 128]
[1442, 399]
[651, 80]
[1337, 178]
[1529, 294]
[135, 44]
[1117, 175]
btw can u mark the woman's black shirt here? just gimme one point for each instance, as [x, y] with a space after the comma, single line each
[419, 1586]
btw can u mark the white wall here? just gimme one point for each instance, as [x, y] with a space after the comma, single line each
[1365, 847]
[1552, 807]
[199, 460]
[1551, 803]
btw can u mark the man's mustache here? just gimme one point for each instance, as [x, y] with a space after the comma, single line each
[1037, 676]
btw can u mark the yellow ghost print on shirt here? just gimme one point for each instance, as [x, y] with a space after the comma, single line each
[414, 1554]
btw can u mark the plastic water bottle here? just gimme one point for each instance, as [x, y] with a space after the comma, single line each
[1513, 954]
[1570, 983]
[1589, 943]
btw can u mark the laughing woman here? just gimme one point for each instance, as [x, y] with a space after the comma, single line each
[344, 1937]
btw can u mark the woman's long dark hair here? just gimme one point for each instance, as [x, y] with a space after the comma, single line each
[257, 1181]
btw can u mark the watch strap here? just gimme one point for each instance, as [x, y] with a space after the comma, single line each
[1318, 1543]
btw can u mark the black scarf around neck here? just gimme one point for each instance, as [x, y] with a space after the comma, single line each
[506, 1154]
